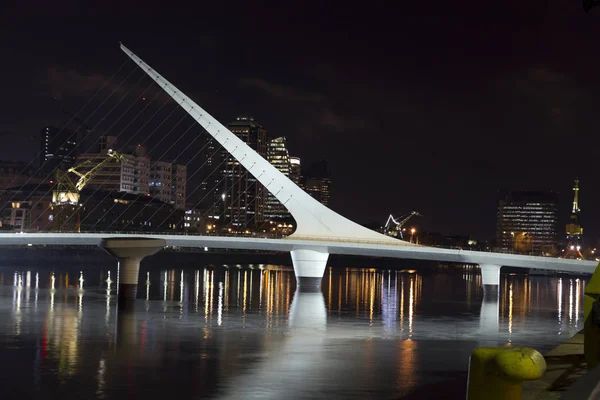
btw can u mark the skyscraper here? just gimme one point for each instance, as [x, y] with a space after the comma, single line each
[528, 221]
[277, 155]
[211, 176]
[296, 170]
[57, 148]
[317, 181]
[243, 196]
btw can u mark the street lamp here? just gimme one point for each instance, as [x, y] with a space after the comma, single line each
[412, 234]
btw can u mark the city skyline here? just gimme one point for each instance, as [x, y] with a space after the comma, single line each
[450, 157]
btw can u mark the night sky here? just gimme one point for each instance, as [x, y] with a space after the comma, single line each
[430, 107]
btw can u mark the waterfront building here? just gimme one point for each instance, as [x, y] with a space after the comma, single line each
[527, 221]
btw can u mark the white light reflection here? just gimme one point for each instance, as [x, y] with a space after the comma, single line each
[28, 279]
[147, 286]
[206, 291]
[52, 281]
[559, 300]
[81, 280]
[401, 304]
[165, 289]
[108, 290]
[108, 280]
[245, 290]
[37, 286]
[80, 303]
[17, 305]
[410, 307]
[260, 291]
[220, 305]
[52, 291]
[577, 297]
[570, 301]
[196, 289]
[181, 288]
[510, 312]
[101, 381]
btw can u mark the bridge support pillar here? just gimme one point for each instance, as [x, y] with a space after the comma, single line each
[490, 278]
[130, 253]
[309, 266]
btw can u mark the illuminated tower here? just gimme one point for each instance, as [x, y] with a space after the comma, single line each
[574, 229]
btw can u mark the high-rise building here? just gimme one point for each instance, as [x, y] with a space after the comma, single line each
[277, 155]
[573, 228]
[210, 188]
[528, 221]
[317, 181]
[57, 148]
[296, 170]
[242, 195]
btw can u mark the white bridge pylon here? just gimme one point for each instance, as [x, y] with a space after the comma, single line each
[313, 219]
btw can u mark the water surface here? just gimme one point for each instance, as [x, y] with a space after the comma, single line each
[243, 331]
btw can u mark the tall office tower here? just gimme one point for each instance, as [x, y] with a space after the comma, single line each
[296, 170]
[317, 181]
[57, 148]
[277, 155]
[242, 195]
[574, 229]
[528, 221]
[210, 191]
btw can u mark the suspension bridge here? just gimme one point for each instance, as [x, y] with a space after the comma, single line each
[319, 230]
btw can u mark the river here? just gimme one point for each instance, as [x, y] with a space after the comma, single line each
[244, 332]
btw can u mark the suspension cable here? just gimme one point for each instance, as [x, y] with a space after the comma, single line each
[126, 143]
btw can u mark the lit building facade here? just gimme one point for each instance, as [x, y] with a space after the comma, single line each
[167, 183]
[130, 175]
[317, 181]
[528, 221]
[242, 195]
[57, 148]
[29, 208]
[296, 170]
[159, 181]
[278, 156]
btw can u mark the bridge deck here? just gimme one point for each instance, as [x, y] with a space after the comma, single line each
[330, 246]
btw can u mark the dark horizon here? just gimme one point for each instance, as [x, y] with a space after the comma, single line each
[416, 108]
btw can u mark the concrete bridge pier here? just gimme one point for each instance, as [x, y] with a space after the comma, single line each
[309, 267]
[490, 279]
[130, 253]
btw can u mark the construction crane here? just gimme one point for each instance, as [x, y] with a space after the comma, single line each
[65, 198]
[393, 227]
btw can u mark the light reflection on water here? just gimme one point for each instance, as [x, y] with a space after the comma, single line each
[244, 332]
